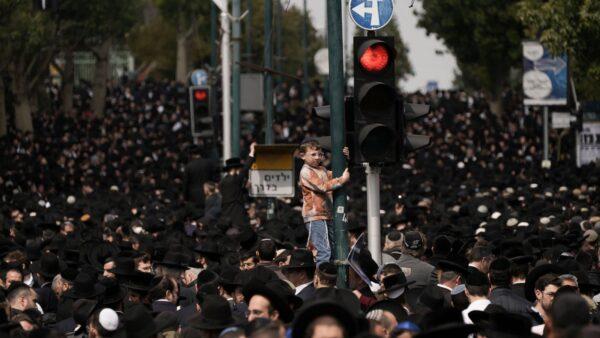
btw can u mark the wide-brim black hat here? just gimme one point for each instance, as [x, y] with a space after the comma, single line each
[324, 308]
[215, 314]
[141, 282]
[446, 265]
[502, 323]
[454, 330]
[47, 271]
[395, 282]
[175, 260]
[234, 162]
[301, 259]
[535, 274]
[275, 292]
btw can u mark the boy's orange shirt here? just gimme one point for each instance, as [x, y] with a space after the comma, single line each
[317, 185]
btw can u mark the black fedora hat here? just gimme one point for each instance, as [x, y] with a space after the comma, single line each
[449, 330]
[85, 287]
[175, 259]
[48, 266]
[301, 258]
[446, 265]
[228, 276]
[114, 292]
[395, 282]
[324, 308]
[277, 292]
[140, 282]
[208, 249]
[234, 162]
[535, 274]
[501, 323]
[215, 314]
[124, 267]
[139, 322]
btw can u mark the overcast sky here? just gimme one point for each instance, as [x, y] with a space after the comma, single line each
[426, 63]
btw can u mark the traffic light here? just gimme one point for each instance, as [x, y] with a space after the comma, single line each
[324, 112]
[375, 100]
[411, 112]
[202, 122]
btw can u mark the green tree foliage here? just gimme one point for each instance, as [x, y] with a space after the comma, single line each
[571, 26]
[484, 36]
[403, 66]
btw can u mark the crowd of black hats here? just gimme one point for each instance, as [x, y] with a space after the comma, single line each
[97, 238]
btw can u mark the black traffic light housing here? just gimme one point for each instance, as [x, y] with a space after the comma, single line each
[201, 119]
[411, 112]
[324, 112]
[375, 100]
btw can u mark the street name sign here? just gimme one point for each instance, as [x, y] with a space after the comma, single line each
[371, 14]
[273, 174]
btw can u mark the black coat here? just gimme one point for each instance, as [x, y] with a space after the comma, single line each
[47, 298]
[233, 196]
[518, 289]
[163, 306]
[510, 301]
[198, 172]
[307, 293]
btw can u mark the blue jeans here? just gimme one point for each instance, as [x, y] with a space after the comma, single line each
[320, 234]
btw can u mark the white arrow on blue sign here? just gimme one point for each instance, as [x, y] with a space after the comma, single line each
[371, 14]
[199, 77]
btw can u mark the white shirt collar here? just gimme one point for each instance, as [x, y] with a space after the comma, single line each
[301, 287]
[444, 287]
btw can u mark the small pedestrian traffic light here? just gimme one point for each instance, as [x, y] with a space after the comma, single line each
[411, 112]
[375, 100]
[201, 120]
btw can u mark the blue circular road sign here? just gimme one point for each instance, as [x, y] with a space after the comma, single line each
[371, 14]
[199, 77]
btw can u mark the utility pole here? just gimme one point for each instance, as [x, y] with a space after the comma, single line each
[278, 40]
[226, 82]
[268, 59]
[235, 116]
[336, 85]
[249, 32]
[213, 74]
[305, 87]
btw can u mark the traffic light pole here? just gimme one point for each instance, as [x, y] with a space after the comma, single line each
[226, 84]
[336, 85]
[373, 217]
[235, 114]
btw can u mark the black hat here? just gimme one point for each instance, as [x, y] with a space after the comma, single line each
[175, 260]
[502, 323]
[355, 227]
[85, 287]
[500, 264]
[215, 314]
[324, 308]
[114, 292]
[206, 277]
[413, 240]
[166, 320]
[301, 258]
[69, 274]
[140, 281]
[446, 265]
[228, 275]
[395, 282]
[392, 306]
[522, 260]
[138, 322]
[124, 267]
[234, 162]
[535, 274]
[48, 266]
[82, 310]
[454, 330]
[477, 278]
[209, 249]
[432, 297]
[277, 292]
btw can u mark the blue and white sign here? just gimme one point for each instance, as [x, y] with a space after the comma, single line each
[545, 80]
[371, 14]
[199, 77]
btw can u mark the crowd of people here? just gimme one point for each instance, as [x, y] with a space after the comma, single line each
[121, 226]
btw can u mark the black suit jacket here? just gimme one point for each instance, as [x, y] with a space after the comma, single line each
[197, 172]
[307, 293]
[233, 196]
[163, 306]
[47, 299]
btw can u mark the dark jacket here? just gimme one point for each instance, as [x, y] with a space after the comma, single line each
[47, 298]
[510, 301]
[163, 306]
[212, 209]
[307, 293]
[233, 194]
[518, 289]
[197, 172]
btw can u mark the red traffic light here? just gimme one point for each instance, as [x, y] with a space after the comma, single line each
[200, 94]
[375, 58]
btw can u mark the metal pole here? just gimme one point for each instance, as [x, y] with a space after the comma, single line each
[268, 77]
[278, 40]
[226, 82]
[235, 113]
[268, 59]
[373, 221]
[213, 80]
[545, 132]
[336, 85]
[305, 87]
[249, 31]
